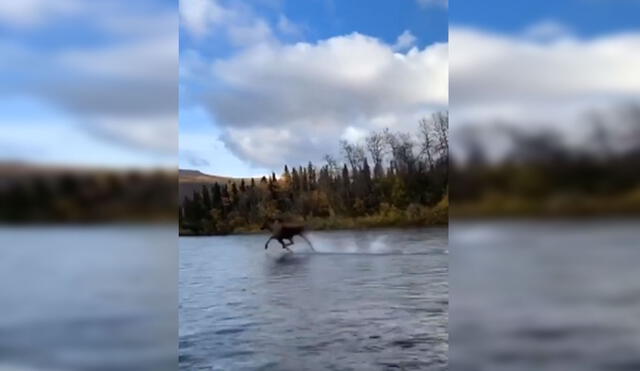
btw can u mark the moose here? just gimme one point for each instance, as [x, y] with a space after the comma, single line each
[284, 231]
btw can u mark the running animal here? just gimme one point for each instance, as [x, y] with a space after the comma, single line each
[284, 231]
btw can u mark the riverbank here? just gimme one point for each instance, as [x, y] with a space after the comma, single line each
[413, 216]
[561, 206]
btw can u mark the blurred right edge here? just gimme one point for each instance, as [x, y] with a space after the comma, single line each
[545, 190]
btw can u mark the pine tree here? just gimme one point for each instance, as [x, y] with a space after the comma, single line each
[226, 200]
[346, 183]
[399, 193]
[198, 206]
[368, 194]
[286, 177]
[295, 179]
[234, 193]
[188, 210]
[216, 196]
[346, 188]
[206, 199]
[311, 174]
[305, 179]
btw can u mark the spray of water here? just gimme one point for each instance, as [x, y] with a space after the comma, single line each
[352, 245]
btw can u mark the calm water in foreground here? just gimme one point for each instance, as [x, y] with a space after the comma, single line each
[371, 300]
[557, 296]
[88, 298]
[524, 296]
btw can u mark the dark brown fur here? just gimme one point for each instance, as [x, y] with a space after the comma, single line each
[284, 231]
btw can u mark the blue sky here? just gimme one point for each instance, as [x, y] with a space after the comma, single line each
[77, 89]
[587, 18]
[322, 19]
[215, 147]
[94, 83]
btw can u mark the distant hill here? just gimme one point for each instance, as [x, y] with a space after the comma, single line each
[196, 176]
[190, 180]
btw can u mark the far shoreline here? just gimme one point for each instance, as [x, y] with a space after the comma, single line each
[345, 228]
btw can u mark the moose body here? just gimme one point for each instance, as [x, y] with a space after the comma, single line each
[284, 231]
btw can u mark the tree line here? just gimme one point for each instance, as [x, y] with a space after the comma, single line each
[542, 173]
[86, 196]
[389, 178]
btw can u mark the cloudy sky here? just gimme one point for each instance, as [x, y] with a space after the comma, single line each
[89, 82]
[542, 63]
[269, 82]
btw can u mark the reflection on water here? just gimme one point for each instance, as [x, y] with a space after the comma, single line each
[88, 298]
[363, 301]
[545, 296]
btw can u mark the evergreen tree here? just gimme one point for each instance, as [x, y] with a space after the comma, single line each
[345, 177]
[226, 200]
[198, 207]
[399, 193]
[305, 179]
[295, 179]
[216, 196]
[311, 174]
[303, 191]
[206, 199]
[234, 193]
[286, 177]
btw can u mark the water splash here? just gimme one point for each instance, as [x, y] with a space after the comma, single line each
[351, 245]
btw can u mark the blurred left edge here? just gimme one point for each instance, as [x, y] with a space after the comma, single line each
[88, 185]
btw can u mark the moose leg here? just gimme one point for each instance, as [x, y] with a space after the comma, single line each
[309, 242]
[284, 246]
[266, 245]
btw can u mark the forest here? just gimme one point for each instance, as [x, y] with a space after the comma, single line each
[46, 194]
[387, 179]
[545, 174]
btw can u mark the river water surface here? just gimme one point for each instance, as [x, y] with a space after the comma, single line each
[97, 298]
[373, 300]
[540, 295]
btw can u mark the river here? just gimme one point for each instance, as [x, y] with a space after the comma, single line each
[88, 298]
[364, 300]
[545, 295]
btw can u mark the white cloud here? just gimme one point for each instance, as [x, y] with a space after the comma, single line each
[290, 103]
[353, 135]
[405, 41]
[126, 60]
[432, 3]
[30, 13]
[547, 30]
[204, 151]
[257, 31]
[287, 27]
[51, 140]
[489, 67]
[199, 17]
[124, 89]
[236, 22]
[158, 132]
[526, 81]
